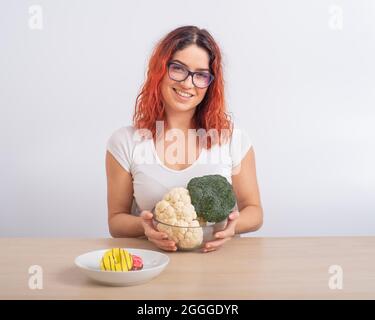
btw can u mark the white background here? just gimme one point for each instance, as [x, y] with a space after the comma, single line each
[300, 78]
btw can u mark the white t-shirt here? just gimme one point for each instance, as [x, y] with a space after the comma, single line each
[152, 179]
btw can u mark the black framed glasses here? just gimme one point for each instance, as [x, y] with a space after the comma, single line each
[179, 73]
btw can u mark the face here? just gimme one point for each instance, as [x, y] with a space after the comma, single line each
[195, 59]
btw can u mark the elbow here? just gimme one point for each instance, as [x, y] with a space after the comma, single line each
[116, 231]
[116, 234]
[259, 221]
[258, 225]
[112, 230]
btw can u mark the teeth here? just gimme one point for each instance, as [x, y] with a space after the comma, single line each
[184, 94]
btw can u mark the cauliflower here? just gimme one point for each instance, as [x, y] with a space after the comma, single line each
[179, 216]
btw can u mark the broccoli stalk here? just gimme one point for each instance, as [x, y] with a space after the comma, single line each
[212, 197]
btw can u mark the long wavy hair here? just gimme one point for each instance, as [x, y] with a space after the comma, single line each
[211, 113]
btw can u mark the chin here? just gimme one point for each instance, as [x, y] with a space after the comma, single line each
[177, 105]
[181, 106]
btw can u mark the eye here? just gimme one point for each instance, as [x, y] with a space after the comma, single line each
[203, 75]
[177, 67]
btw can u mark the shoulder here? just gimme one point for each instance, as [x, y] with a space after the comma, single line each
[240, 135]
[121, 145]
[126, 135]
[240, 143]
[123, 132]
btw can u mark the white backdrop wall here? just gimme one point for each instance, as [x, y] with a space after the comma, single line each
[300, 77]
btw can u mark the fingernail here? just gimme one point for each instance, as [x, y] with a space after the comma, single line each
[218, 235]
[208, 246]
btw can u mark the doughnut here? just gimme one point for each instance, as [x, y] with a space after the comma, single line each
[116, 259]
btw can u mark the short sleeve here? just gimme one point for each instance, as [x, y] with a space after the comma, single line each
[240, 145]
[121, 147]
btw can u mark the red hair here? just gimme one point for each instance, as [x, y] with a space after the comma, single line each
[211, 112]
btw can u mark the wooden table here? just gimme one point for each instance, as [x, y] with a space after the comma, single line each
[245, 268]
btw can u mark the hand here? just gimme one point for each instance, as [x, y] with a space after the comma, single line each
[223, 235]
[160, 239]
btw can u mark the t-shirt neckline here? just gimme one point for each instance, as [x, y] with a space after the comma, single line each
[173, 170]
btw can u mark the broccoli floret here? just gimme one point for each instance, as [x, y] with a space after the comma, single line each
[212, 197]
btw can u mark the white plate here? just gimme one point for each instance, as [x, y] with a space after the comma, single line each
[153, 264]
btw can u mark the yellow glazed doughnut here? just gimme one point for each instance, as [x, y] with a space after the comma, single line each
[116, 259]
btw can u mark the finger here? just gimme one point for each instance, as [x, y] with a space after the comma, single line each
[164, 243]
[167, 245]
[146, 218]
[169, 249]
[146, 215]
[229, 232]
[232, 219]
[154, 234]
[209, 250]
[230, 227]
[149, 228]
[234, 215]
[216, 243]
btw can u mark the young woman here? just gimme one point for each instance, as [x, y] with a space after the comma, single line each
[184, 94]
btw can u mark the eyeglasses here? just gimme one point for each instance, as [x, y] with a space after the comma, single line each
[178, 72]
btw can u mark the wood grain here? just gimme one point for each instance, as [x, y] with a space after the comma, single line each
[245, 268]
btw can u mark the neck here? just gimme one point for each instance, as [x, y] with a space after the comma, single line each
[183, 123]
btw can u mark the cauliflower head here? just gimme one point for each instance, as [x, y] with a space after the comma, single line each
[178, 214]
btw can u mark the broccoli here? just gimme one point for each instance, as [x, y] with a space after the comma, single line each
[212, 197]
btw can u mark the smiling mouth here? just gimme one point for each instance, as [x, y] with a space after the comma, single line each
[182, 94]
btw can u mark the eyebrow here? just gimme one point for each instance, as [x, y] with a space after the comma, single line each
[199, 69]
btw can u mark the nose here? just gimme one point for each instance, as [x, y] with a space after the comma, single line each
[188, 82]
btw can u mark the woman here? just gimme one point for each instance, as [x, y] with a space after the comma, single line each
[183, 93]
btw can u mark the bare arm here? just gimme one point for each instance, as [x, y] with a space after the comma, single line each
[245, 186]
[119, 199]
